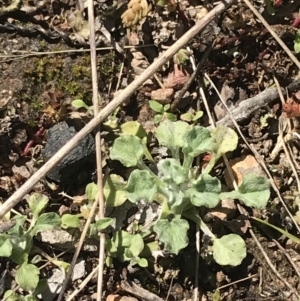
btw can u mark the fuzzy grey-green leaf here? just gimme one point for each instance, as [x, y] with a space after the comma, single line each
[37, 203]
[205, 191]
[70, 221]
[5, 246]
[229, 250]
[198, 141]
[46, 221]
[128, 150]
[172, 233]
[172, 134]
[114, 191]
[141, 185]
[226, 140]
[27, 276]
[171, 171]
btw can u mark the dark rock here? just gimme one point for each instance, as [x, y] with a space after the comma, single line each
[83, 153]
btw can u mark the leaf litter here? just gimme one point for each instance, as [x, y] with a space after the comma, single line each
[242, 63]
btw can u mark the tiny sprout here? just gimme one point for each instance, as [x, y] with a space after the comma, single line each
[137, 9]
[162, 112]
[78, 104]
[181, 57]
[170, 4]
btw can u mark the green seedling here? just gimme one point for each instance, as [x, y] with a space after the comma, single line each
[80, 104]
[16, 244]
[112, 121]
[191, 116]
[179, 189]
[181, 57]
[72, 221]
[162, 112]
[297, 42]
[126, 247]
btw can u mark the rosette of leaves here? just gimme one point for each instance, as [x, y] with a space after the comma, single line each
[180, 190]
[137, 9]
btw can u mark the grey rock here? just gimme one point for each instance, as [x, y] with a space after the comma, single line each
[84, 152]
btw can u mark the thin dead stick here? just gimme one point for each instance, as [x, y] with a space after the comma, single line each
[127, 92]
[289, 258]
[78, 249]
[213, 125]
[249, 105]
[98, 145]
[192, 77]
[237, 281]
[82, 284]
[273, 33]
[98, 151]
[138, 291]
[38, 53]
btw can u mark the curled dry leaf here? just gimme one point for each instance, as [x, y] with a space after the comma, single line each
[201, 12]
[177, 78]
[137, 9]
[139, 62]
[163, 96]
[291, 107]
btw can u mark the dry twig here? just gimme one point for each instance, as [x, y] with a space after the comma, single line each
[99, 167]
[249, 105]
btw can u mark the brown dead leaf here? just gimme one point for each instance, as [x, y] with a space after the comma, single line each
[163, 96]
[177, 78]
[139, 62]
[291, 107]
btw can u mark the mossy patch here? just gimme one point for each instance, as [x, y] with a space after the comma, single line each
[68, 74]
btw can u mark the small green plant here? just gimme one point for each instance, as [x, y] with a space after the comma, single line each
[16, 244]
[191, 116]
[179, 189]
[126, 247]
[181, 57]
[162, 112]
[80, 104]
[112, 121]
[297, 42]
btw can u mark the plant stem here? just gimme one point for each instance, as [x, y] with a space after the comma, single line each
[192, 215]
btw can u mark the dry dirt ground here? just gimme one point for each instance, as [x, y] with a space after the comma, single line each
[39, 81]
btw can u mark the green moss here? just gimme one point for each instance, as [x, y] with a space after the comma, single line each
[107, 65]
[70, 74]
